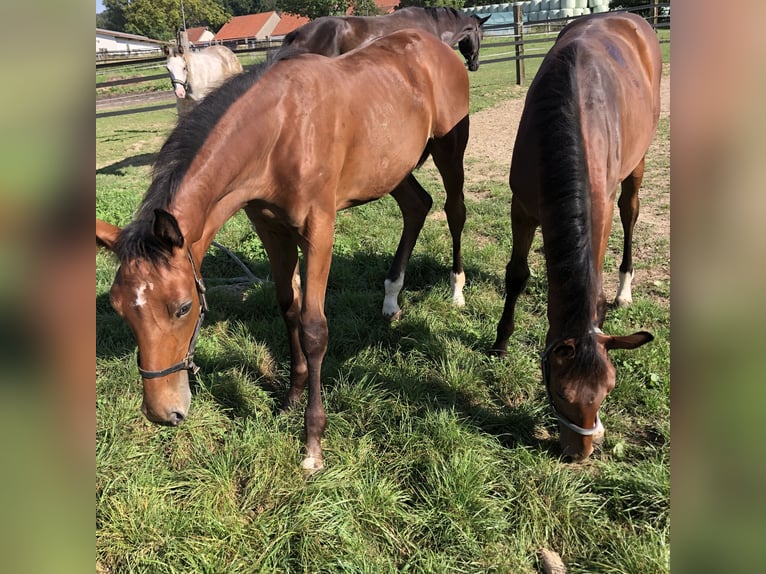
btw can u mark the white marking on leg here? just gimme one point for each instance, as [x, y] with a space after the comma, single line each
[391, 308]
[457, 282]
[140, 294]
[624, 295]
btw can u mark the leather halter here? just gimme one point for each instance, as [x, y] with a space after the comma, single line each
[597, 427]
[188, 362]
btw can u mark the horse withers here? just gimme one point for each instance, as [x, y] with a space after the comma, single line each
[195, 74]
[259, 143]
[335, 35]
[589, 117]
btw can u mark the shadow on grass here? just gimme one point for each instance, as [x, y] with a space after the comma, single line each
[353, 307]
[118, 168]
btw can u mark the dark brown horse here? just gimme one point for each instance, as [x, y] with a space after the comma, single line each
[335, 35]
[292, 145]
[589, 117]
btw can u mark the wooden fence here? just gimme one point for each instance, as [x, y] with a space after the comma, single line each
[523, 37]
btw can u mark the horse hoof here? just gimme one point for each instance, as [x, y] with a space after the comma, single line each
[499, 353]
[395, 316]
[311, 465]
[623, 301]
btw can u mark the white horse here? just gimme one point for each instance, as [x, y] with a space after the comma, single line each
[195, 74]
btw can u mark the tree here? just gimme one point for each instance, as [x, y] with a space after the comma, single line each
[113, 16]
[456, 4]
[160, 19]
[313, 9]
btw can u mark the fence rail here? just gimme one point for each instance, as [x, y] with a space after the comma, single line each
[523, 34]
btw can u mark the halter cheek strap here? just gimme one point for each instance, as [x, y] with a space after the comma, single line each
[188, 361]
[544, 359]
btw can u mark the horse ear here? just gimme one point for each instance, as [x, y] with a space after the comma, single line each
[167, 230]
[166, 50]
[565, 350]
[482, 20]
[628, 341]
[106, 234]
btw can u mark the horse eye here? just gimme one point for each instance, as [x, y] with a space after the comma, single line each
[184, 309]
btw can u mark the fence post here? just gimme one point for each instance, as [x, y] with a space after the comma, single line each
[655, 13]
[518, 36]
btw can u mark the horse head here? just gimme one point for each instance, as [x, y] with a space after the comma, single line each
[578, 376]
[176, 66]
[469, 40]
[159, 294]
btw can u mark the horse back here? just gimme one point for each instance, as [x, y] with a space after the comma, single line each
[614, 68]
[618, 82]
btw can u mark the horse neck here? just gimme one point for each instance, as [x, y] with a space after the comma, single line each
[565, 212]
[212, 190]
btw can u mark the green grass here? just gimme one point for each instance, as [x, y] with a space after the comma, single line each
[438, 457]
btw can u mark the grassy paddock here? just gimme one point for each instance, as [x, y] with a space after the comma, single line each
[439, 458]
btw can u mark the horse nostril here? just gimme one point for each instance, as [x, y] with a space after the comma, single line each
[176, 418]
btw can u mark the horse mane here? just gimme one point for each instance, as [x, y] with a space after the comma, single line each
[176, 155]
[441, 12]
[566, 191]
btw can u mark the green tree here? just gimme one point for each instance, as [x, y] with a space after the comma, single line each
[160, 19]
[457, 4]
[245, 7]
[315, 8]
[113, 16]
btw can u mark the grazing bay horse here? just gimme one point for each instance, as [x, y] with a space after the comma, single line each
[335, 35]
[290, 144]
[589, 117]
[195, 74]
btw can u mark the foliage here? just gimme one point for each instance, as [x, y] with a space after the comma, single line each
[245, 7]
[315, 8]
[457, 4]
[161, 19]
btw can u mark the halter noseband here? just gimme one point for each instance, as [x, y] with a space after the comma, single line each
[188, 361]
[597, 427]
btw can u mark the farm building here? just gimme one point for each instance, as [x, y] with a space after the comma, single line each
[110, 43]
[199, 35]
[245, 29]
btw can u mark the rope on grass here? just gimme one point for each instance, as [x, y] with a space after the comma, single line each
[250, 275]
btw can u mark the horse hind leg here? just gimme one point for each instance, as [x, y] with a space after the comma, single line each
[629, 207]
[516, 274]
[447, 153]
[414, 202]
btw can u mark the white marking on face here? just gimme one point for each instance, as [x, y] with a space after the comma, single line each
[140, 294]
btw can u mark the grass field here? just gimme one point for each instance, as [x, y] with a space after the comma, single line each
[438, 457]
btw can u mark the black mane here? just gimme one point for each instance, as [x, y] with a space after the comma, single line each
[566, 192]
[176, 155]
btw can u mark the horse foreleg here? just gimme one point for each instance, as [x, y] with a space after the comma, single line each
[629, 205]
[447, 153]
[317, 249]
[282, 250]
[414, 203]
[516, 274]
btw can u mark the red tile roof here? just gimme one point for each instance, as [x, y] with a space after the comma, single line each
[288, 23]
[194, 33]
[243, 26]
